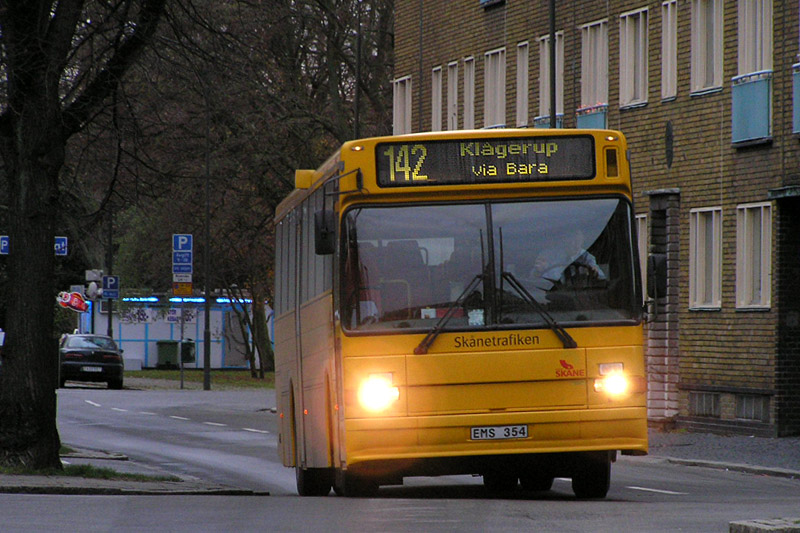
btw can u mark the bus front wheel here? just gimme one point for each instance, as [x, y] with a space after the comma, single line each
[351, 485]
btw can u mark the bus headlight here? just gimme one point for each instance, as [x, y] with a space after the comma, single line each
[612, 381]
[377, 392]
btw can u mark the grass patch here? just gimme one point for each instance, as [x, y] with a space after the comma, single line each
[224, 378]
[86, 471]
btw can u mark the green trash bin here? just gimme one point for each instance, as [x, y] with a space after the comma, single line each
[188, 349]
[167, 354]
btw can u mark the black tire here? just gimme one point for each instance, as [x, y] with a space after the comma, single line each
[499, 481]
[592, 477]
[115, 384]
[313, 481]
[536, 481]
[353, 486]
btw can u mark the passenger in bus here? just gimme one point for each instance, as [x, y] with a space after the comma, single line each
[566, 263]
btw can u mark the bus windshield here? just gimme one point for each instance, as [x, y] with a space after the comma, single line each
[406, 267]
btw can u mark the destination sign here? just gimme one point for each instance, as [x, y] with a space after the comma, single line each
[488, 160]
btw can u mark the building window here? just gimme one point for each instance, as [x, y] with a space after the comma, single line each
[753, 255]
[752, 407]
[469, 93]
[436, 99]
[643, 238]
[522, 84]
[494, 89]
[755, 36]
[669, 49]
[452, 96]
[705, 404]
[706, 45]
[544, 75]
[705, 258]
[402, 106]
[594, 64]
[633, 58]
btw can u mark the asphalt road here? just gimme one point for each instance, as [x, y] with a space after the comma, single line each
[229, 437]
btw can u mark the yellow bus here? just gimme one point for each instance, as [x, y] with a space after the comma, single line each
[462, 302]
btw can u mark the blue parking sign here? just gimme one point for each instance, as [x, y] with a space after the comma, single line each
[4, 244]
[110, 286]
[181, 242]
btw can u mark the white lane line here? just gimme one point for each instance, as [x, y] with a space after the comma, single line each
[92, 403]
[119, 410]
[147, 413]
[255, 430]
[178, 417]
[658, 491]
[214, 424]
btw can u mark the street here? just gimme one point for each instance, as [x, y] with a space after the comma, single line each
[229, 437]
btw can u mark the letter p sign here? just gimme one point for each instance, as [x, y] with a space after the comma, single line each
[182, 242]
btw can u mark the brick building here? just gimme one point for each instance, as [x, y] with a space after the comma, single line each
[708, 94]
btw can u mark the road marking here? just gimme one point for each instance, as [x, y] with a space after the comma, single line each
[119, 410]
[92, 403]
[214, 424]
[255, 430]
[659, 491]
[147, 413]
[178, 417]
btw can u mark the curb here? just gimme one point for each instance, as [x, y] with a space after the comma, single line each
[738, 467]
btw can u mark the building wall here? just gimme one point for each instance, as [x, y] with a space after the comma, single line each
[727, 354]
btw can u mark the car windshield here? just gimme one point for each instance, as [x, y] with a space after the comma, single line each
[406, 267]
[91, 342]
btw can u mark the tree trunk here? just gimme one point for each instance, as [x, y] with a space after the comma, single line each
[33, 152]
[261, 338]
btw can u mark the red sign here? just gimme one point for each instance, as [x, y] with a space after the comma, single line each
[72, 300]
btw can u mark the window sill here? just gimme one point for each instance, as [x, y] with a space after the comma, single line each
[633, 105]
[753, 308]
[705, 308]
[706, 91]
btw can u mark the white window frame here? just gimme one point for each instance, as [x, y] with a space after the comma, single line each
[452, 95]
[594, 63]
[707, 31]
[705, 258]
[633, 57]
[669, 49]
[753, 255]
[401, 109]
[544, 74]
[469, 93]
[755, 36]
[643, 242]
[523, 56]
[436, 98]
[494, 88]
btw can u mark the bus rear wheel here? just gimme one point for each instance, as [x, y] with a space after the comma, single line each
[313, 481]
[592, 476]
[500, 481]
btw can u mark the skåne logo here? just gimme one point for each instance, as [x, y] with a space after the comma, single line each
[567, 370]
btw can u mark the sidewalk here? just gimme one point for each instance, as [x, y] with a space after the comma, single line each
[162, 482]
[757, 455]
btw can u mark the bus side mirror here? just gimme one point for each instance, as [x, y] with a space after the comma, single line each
[324, 232]
[657, 275]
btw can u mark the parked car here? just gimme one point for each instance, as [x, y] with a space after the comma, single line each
[94, 358]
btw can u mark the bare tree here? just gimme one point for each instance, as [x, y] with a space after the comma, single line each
[63, 61]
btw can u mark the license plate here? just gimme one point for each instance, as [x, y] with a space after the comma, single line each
[91, 369]
[498, 432]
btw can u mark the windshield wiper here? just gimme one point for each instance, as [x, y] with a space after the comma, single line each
[423, 346]
[561, 333]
